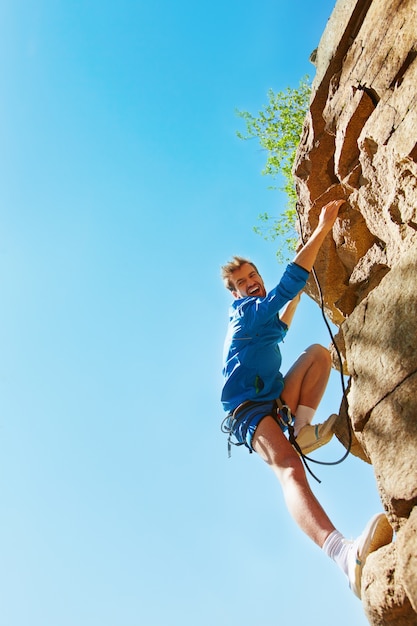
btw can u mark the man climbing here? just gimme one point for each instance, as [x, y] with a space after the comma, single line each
[260, 401]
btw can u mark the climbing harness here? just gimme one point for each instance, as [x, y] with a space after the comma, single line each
[279, 411]
[234, 419]
[228, 425]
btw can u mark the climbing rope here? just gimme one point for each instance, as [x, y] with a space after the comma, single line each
[349, 427]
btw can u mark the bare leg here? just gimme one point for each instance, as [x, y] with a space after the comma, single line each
[305, 384]
[307, 379]
[273, 447]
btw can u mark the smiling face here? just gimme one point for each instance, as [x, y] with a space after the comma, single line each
[247, 282]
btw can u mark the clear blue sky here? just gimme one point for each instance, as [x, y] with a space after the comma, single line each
[123, 189]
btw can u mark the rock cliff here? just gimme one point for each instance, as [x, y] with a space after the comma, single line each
[360, 143]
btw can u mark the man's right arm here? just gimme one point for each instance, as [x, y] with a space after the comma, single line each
[308, 253]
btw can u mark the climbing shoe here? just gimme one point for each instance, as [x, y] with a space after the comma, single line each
[377, 533]
[314, 436]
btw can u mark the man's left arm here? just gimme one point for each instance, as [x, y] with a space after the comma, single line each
[288, 311]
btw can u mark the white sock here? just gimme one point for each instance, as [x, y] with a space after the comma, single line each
[337, 548]
[303, 416]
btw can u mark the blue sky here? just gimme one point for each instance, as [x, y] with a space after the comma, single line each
[123, 189]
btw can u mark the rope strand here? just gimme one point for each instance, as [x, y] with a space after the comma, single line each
[349, 426]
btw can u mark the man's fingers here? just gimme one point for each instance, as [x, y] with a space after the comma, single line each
[331, 209]
[334, 204]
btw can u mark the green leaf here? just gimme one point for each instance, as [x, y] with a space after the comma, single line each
[278, 127]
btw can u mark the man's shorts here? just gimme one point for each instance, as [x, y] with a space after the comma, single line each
[242, 423]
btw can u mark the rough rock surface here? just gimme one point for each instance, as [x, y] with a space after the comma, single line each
[360, 143]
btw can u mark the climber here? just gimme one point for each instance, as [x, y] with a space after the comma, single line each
[261, 403]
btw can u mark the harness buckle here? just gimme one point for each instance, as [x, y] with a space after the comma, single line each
[284, 415]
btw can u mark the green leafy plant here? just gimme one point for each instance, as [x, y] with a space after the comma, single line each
[278, 128]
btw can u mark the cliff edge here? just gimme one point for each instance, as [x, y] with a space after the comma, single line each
[360, 143]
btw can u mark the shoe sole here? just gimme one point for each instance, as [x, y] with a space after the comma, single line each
[377, 533]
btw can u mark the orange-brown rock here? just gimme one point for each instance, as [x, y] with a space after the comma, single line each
[360, 143]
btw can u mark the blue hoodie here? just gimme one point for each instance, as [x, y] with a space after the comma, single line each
[252, 358]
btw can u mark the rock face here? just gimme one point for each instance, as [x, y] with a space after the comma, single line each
[360, 143]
